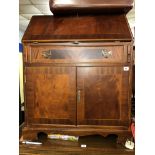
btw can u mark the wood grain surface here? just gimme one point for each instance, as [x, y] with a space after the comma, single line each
[61, 7]
[104, 95]
[51, 95]
[95, 145]
[78, 28]
[74, 54]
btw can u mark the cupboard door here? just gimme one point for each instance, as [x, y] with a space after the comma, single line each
[51, 95]
[102, 96]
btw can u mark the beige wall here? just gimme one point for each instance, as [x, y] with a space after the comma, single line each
[21, 77]
[21, 70]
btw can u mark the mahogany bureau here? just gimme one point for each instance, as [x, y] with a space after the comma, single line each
[78, 75]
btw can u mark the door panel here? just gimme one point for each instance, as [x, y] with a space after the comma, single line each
[103, 95]
[51, 95]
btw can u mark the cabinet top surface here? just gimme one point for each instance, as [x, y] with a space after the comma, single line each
[78, 28]
[90, 6]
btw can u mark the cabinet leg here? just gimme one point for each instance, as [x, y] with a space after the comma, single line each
[27, 135]
[122, 139]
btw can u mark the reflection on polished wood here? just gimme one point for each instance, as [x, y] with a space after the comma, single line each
[77, 28]
[90, 6]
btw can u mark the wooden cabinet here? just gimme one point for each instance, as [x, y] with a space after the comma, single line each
[77, 86]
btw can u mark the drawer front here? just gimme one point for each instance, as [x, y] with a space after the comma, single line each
[63, 54]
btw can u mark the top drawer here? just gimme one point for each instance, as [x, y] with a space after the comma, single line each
[70, 54]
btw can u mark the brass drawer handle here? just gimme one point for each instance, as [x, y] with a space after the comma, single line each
[47, 54]
[106, 53]
[78, 96]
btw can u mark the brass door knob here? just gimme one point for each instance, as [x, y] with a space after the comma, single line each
[78, 96]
